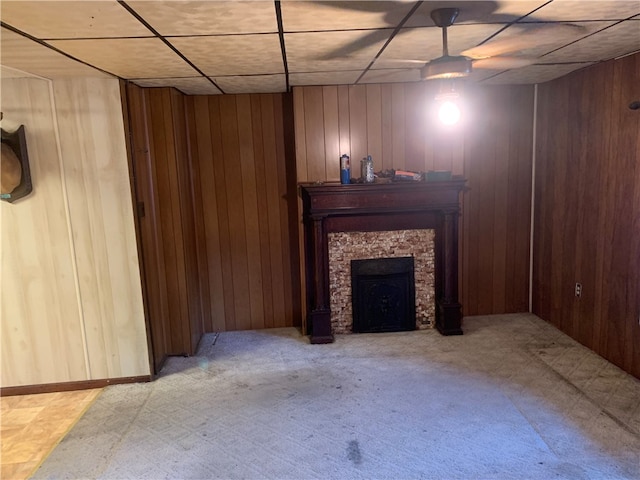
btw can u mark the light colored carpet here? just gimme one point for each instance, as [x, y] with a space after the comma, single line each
[512, 398]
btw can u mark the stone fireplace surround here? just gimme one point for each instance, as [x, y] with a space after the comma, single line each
[347, 246]
[332, 207]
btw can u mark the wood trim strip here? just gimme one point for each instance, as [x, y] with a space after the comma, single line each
[70, 386]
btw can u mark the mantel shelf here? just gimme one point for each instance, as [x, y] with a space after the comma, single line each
[333, 207]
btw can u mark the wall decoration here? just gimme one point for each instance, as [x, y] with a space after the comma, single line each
[15, 174]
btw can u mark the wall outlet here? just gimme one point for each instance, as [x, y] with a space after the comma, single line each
[578, 289]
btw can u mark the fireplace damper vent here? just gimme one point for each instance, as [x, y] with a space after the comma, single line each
[383, 294]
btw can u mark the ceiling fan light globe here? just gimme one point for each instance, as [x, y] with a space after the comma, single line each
[446, 67]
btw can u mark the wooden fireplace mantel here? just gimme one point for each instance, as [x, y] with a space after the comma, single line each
[333, 207]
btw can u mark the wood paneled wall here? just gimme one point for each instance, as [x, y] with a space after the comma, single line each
[587, 217]
[241, 146]
[396, 124]
[163, 179]
[216, 175]
[71, 301]
[496, 221]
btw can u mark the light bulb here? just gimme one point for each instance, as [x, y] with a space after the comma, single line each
[449, 113]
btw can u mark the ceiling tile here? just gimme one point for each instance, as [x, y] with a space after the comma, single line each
[208, 17]
[391, 75]
[128, 57]
[300, 16]
[576, 10]
[189, 86]
[23, 54]
[530, 40]
[612, 42]
[332, 51]
[535, 73]
[324, 78]
[476, 11]
[252, 84]
[419, 45]
[233, 54]
[94, 19]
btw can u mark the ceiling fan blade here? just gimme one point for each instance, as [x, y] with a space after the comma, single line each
[502, 63]
[406, 60]
[519, 37]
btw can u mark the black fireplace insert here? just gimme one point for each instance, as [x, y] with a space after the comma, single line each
[383, 294]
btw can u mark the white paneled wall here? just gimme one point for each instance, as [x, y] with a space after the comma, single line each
[71, 300]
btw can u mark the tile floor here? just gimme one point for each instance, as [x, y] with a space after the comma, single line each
[32, 425]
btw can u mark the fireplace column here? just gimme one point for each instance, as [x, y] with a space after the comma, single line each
[449, 311]
[320, 313]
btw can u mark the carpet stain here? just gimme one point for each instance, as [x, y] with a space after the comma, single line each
[353, 452]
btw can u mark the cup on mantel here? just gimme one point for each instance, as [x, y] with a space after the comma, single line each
[366, 169]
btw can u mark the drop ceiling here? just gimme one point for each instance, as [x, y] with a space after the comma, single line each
[227, 47]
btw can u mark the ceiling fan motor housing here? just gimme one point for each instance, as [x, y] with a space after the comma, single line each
[446, 67]
[444, 17]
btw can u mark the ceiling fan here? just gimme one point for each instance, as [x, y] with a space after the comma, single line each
[449, 66]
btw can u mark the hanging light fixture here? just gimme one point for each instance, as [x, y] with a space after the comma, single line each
[448, 102]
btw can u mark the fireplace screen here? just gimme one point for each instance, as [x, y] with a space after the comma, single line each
[383, 294]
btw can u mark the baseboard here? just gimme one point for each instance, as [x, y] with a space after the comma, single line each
[69, 386]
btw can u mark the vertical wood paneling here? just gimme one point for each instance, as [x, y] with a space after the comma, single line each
[71, 304]
[374, 124]
[331, 132]
[273, 203]
[201, 254]
[251, 222]
[587, 209]
[398, 122]
[228, 322]
[263, 208]
[386, 107]
[42, 338]
[191, 285]
[169, 228]
[252, 250]
[98, 191]
[344, 126]
[493, 151]
[314, 133]
[415, 126]
[145, 180]
[235, 208]
[200, 128]
[358, 126]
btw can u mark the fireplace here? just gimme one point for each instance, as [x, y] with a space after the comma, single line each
[332, 208]
[384, 297]
[343, 247]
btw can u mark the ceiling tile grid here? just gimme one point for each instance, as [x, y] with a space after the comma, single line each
[391, 75]
[303, 16]
[612, 42]
[537, 73]
[580, 10]
[335, 51]
[186, 18]
[252, 83]
[28, 56]
[233, 54]
[188, 85]
[72, 19]
[239, 44]
[128, 57]
[344, 77]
